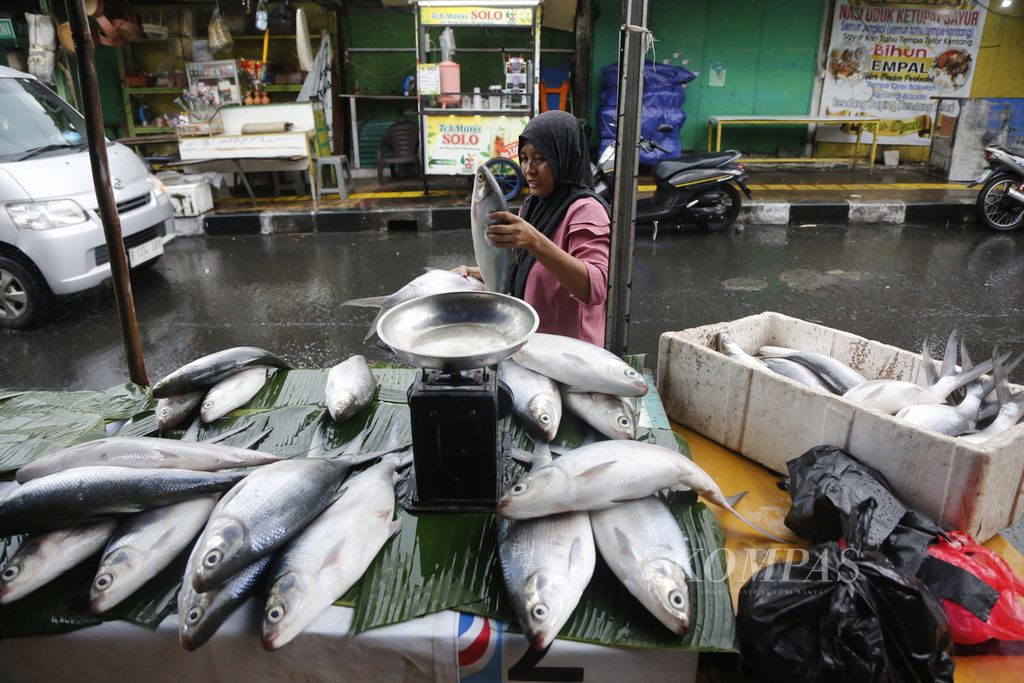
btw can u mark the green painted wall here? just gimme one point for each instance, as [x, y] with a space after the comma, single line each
[769, 48]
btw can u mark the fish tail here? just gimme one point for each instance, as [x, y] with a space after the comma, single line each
[734, 499]
[755, 527]
[368, 302]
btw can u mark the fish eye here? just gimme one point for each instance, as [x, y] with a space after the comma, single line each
[624, 421]
[213, 558]
[519, 488]
[194, 615]
[103, 581]
[677, 599]
[207, 404]
[545, 419]
[10, 573]
[275, 614]
[540, 612]
[631, 373]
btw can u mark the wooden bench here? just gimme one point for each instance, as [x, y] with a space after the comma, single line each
[715, 123]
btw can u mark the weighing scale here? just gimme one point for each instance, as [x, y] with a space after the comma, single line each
[460, 456]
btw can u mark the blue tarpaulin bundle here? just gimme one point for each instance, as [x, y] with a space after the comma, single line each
[663, 99]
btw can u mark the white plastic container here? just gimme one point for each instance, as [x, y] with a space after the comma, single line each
[770, 419]
[190, 199]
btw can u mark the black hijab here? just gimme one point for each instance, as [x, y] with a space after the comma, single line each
[559, 136]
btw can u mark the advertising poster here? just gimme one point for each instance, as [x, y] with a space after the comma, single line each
[888, 59]
[456, 144]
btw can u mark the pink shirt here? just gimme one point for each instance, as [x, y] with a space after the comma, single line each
[584, 233]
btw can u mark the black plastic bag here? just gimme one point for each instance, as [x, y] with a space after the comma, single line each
[843, 614]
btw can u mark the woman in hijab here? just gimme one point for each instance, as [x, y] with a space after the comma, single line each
[561, 234]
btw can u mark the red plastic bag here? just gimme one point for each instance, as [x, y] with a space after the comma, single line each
[1006, 620]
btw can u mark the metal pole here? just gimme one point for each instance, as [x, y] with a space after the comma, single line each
[633, 41]
[84, 50]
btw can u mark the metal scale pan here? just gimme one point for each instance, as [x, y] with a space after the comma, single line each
[459, 454]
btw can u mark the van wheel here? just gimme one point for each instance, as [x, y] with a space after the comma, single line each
[23, 295]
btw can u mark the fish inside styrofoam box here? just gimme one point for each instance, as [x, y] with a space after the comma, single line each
[772, 419]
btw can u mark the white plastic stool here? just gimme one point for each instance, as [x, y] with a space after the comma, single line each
[339, 162]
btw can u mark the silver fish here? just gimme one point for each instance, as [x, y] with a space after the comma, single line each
[320, 564]
[948, 420]
[798, 372]
[546, 564]
[43, 558]
[839, 375]
[580, 366]
[175, 410]
[259, 515]
[201, 614]
[206, 371]
[233, 392]
[143, 545]
[725, 344]
[1011, 409]
[144, 452]
[432, 282]
[73, 497]
[603, 474]
[536, 400]
[612, 416]
[643, 545]
[350, 387]
[495, 263]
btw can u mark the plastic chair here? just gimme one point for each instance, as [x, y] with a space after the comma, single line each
[400, 145]
[562, 91]
[339, 162]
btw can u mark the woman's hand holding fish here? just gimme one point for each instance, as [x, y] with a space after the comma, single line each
[469, 272]
[509, 230]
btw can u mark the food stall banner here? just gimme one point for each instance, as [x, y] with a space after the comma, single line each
[465, 15]
[457, 144]
[888, 59]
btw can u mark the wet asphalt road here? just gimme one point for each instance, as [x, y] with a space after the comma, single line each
[895, 284]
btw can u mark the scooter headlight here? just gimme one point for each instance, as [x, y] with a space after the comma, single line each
[59, 213]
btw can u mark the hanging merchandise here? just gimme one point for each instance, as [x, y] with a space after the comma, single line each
[42, 49]
[262, 16]
[302, 45]
[282, 17]
[219, 36]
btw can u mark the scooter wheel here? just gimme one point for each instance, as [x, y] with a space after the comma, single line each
[508, 174]
[995, 208]
[730, 198]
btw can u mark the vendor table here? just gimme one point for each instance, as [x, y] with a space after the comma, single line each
[859, 122]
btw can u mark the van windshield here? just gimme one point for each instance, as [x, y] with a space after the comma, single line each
[36, 122]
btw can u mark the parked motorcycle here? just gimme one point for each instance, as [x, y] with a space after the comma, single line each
[1001, 200]
[694, 189]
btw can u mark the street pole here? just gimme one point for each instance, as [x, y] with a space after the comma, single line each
[84, 50]
[633, 41]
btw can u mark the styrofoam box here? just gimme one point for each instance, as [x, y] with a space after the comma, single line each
[190, 199]
[770, 419]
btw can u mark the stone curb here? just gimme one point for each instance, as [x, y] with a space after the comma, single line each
[425, 218]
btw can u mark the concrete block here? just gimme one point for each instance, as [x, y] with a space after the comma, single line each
[770, 419]
[765, 213]
[189, 226]
[891, 212]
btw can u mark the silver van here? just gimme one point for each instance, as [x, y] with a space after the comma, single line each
[51, 237]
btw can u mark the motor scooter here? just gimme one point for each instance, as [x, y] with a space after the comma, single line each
[694, 189]
[1001, 200]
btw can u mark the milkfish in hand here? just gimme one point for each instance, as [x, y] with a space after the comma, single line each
[641, 542]
[350, 387]
[78, 495]
[495, 263]
[580, 365]
[233, 392]
[176, 410]
[145, 452]
[546, 563]
[536, 400]
[201, 614]
[431, 282]
[612, 416]
[603, 474]
[206, 371]
[143, 545]
[320, 564]
[261, 514]
[836, 373]
[42, 558]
